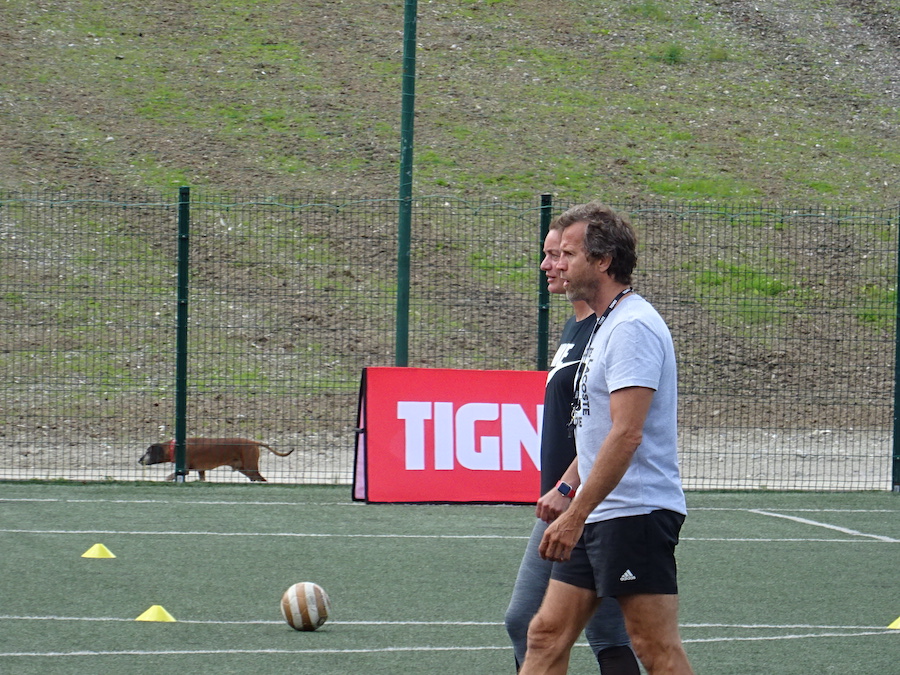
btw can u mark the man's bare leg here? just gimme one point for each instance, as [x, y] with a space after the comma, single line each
[652, 623]
[564, 613]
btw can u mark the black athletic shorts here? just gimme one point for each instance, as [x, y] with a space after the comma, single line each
[625, 556]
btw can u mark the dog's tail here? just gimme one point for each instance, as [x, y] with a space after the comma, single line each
[275, 452]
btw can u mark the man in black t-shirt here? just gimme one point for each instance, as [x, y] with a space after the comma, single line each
[606, 632]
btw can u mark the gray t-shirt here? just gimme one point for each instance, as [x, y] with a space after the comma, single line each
[633, 348]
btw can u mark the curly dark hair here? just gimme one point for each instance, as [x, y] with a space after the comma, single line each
[608, 233]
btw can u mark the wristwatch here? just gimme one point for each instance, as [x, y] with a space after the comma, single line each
[565, 489]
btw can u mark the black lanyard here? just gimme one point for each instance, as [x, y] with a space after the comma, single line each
[579, 374]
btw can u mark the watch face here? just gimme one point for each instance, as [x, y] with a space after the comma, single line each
[565, 489]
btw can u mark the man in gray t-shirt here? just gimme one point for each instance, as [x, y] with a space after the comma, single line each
[633, 348]
[618, 536]
[605, 632]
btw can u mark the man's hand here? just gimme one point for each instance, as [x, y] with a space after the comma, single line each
[560, 537]
[551, 505]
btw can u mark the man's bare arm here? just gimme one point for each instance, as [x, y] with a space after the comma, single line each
[628, 409]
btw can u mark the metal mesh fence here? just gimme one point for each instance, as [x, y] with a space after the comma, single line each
[784, 326]
[783, 320]
[86, 344]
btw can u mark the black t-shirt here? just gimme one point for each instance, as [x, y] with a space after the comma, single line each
[557, 449]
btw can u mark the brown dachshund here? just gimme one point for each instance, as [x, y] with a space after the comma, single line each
[203, 454]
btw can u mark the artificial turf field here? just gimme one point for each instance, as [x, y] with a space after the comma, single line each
[774, 583]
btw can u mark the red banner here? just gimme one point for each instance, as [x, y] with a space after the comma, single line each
[438, 435]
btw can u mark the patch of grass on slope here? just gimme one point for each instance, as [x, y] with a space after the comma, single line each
[674, 100]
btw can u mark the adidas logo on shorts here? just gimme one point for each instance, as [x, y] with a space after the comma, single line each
[627, 576]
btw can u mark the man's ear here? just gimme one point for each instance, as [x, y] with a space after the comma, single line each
[603, 263]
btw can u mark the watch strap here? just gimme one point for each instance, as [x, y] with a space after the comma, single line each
[565, 489]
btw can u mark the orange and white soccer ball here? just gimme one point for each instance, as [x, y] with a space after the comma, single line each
[305, 606]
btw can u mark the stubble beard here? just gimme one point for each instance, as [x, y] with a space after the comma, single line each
[580, 292]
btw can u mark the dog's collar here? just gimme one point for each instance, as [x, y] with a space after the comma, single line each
[172, 450]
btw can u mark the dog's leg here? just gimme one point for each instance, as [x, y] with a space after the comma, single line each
[253, 475]
[202, 475]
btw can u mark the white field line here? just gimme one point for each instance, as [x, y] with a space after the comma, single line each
[224, 502]
[261, 622]
[408, 649]
[731, 508]
[827, 526]
[168, 533]
[189, 652]
[474, 537]
[820, 631]
[772, 638]
[738, 626]
[783, 540]
[211, 502]
[870, 538]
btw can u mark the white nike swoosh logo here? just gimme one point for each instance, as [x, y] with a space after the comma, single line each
[560, 366]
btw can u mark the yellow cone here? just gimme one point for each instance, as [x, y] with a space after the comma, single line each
[896, 624]
[98, 551]
[156, 613]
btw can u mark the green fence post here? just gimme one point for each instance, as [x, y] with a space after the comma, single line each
[181, 332]
[404, 227]
[895, 462]
[543, 331]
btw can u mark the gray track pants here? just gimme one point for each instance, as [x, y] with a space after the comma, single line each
[605, 629]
